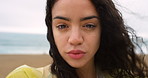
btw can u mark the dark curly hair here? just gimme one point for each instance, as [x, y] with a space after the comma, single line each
[116, 54]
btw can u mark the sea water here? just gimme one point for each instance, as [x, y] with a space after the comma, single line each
[18, 43]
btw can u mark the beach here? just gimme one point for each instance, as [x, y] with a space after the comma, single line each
[10, 62]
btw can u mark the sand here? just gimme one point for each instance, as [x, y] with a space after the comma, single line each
[10, 62]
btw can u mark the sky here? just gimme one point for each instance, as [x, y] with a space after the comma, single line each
[27, 16]
[22, 16]
[135, 14]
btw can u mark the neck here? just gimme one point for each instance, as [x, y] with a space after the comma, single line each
[88, 71]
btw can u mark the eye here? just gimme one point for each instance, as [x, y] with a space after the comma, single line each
[89, 26]
[62, 26]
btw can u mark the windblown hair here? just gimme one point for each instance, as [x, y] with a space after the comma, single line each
[116, 54]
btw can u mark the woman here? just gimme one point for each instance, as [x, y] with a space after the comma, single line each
[88, 39]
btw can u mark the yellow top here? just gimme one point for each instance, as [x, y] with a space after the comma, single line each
[30, 72]
[43, 72]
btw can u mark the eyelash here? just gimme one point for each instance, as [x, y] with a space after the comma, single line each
[89, 26]
[63, 26]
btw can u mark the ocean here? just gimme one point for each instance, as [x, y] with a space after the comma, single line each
[18, 43]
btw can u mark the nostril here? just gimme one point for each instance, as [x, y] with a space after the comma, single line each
[75, 40]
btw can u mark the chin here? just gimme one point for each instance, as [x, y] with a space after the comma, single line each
[77, 65]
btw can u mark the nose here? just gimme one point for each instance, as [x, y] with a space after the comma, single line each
[75, 38]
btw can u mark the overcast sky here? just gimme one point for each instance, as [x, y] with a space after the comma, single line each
[27, 16]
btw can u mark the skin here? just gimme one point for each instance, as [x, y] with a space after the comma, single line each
[76, 27]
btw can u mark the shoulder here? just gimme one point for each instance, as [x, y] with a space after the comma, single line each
[46, 72]
[31, 72]
[25, 72]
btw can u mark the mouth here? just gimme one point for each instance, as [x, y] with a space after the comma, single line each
[76, 54]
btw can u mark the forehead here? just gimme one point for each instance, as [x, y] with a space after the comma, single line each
[73, 7]
[73, 1]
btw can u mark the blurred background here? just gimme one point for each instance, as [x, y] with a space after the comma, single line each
[23, 30]
[22, 27]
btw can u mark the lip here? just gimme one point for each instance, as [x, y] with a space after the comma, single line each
[76, 54]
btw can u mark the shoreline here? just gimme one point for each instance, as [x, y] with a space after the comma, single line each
[8, 62]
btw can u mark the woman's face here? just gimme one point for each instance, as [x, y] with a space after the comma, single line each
[76, 31]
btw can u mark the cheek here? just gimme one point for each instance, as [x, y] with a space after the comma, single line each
[93, 41]
[60, 40]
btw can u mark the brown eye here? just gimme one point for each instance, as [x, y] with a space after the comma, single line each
[89, 26]
[62, 26]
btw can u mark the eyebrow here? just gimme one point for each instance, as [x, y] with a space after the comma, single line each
[82, 19]
[89, 17]
[61, 17]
